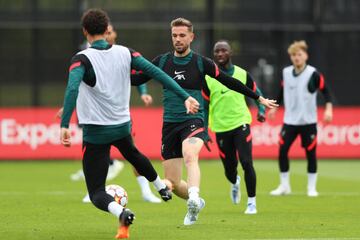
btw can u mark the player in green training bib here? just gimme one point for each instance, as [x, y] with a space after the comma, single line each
[230, 118]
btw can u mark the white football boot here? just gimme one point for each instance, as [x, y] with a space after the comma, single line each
[235, 192]
[78, 175]
[251, 208]
[311, 192]
[194, 207]
[281, 190]
[150, 197]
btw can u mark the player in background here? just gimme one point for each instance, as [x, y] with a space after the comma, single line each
[299, 87]
[230, 119]
[99, 86]
[183, 135]
[115, 166]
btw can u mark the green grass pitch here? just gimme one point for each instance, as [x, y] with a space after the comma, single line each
[39, 201]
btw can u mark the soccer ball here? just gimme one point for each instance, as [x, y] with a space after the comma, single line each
[118, 193]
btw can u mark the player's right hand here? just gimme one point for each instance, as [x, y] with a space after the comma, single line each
[192, 105]
[147, 99]
[65, 137]
[268, 102]
[261, 117]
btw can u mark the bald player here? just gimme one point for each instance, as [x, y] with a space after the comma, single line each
[230, 119]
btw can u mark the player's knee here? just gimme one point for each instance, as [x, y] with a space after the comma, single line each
[283, 153]
[229, 169]
[173, 183]
[231, 175]
[189, 158]
[247, 164]
[131, 153]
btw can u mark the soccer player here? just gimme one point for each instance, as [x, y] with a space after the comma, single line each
[299, 87]
[99, 86]
[147, 194]
[230, 118]
[115, 166]
[183, 135]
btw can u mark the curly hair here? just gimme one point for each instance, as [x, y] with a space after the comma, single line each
[95, 21]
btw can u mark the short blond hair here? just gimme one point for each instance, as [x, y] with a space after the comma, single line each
[296, 46]
[182, 22]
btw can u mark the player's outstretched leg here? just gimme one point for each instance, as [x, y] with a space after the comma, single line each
[191, 148]
[126, 218]
[142, 165]
[173, 173]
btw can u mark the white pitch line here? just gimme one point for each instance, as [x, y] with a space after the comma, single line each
[305, 238]
[41, 193]
[262, 193]
[345, 194]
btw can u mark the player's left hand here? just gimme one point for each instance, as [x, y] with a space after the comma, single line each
[261, 117]
[65, 137]
[147, 99]
[328, 115]
[268, 102]
[207, 145]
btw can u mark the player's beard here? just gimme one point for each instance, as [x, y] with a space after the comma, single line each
[182, 49]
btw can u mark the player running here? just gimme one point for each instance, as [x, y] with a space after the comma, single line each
[115, 166]
[99, 86]
[299, 91]
[183, 135]
[230, 118]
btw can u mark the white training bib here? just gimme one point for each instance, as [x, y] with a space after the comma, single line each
[299, 103]
[107, 103]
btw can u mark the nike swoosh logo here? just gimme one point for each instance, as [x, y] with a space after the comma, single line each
[224, 91]
[179, 72]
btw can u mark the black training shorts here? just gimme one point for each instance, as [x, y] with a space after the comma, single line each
[174, 133]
